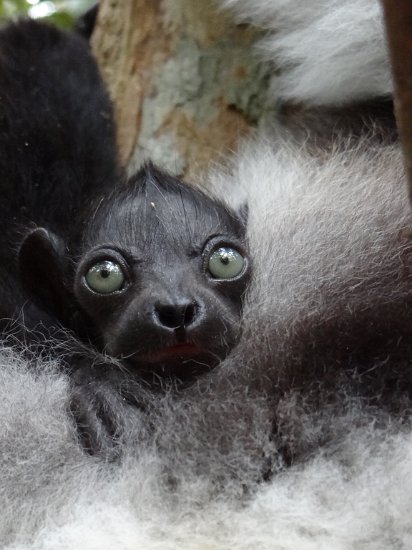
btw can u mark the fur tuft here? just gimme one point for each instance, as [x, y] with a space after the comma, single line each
[329, 52]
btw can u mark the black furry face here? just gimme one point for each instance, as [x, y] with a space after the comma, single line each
[161, 275]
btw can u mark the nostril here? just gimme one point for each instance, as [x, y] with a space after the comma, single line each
[168, 316]
[189, 314]
[176, 315]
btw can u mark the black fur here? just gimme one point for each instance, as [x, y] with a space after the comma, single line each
[86, 23]
[57, 143]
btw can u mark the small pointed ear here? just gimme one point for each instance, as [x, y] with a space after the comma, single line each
[40, 261]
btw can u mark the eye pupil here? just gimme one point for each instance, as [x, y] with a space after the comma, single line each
[104, 273]
[224, 258]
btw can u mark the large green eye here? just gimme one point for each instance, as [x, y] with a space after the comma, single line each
[105, 277]
[226, 263]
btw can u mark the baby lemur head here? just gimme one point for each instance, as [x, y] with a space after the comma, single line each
[159, 273]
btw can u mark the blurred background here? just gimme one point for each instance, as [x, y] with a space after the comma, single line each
[60, 12]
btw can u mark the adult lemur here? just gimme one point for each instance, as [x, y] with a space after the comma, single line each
[319, 380]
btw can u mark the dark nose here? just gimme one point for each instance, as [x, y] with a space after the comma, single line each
[174, 316]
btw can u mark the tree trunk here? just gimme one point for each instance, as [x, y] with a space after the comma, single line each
[184, 80]
[398, 18]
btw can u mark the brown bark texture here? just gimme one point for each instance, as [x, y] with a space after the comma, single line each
[185, 80]
[398, 19]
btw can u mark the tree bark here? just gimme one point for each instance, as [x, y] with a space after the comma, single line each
[398, 19]
[184, 80]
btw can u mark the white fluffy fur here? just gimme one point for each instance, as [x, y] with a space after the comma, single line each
[354, 492]
[329, 51]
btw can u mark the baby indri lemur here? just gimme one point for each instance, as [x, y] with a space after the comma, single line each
[147, 270]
